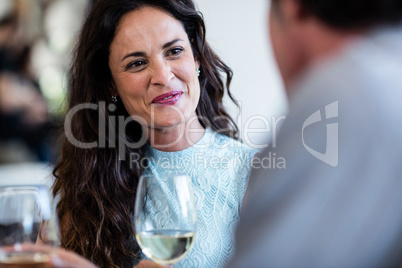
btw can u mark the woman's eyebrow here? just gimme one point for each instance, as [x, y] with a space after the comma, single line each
[133, 54]
[142, 54]
[168, 44]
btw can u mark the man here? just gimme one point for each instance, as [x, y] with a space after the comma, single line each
[338, 202]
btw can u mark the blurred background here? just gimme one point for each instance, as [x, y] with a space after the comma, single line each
[36, 40]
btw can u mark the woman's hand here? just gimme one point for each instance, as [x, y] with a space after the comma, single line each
[149, 264]
[60, 258]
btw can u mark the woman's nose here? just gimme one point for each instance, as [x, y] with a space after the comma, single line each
[162, 74]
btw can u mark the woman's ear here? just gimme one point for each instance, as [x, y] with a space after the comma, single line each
[112, 89]
[196, 60]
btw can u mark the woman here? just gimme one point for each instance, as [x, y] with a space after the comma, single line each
[148, 61]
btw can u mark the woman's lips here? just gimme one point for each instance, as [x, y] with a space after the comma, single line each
[169, 98]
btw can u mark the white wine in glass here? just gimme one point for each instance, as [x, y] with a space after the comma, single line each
[27, 218]
[165, 218]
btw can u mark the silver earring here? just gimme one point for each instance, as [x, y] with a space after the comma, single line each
[114, 98]
[198, 71]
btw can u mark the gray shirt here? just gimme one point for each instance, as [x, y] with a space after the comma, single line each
[338, 202]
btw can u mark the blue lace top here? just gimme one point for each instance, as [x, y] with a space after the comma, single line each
[219, 168]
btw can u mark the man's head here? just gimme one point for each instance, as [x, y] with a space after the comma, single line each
[304, 31]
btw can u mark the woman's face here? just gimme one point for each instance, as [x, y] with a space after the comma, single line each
[154, 69]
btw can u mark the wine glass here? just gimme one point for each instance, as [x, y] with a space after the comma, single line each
[165, 217]
[27, 220]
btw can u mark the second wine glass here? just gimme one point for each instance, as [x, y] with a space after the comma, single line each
[165, 217]
[27, 219]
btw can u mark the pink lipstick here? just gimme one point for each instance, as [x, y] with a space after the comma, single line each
[169, 98]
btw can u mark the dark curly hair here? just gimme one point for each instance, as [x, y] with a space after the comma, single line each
[96, 190]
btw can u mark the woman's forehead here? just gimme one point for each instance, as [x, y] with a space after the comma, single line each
[146, 29]
[149, 22]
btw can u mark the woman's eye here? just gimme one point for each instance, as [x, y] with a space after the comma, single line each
[136, 64]
[175, 51]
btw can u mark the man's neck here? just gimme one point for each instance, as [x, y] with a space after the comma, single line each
[320, 43]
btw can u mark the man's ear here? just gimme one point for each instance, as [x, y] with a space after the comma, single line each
[293, 11]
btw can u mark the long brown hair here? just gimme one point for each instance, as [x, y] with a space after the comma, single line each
[97, 190]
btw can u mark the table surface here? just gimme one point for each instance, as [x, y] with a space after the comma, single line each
[26, 174]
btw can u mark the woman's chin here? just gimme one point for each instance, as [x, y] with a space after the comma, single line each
[168, 124]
